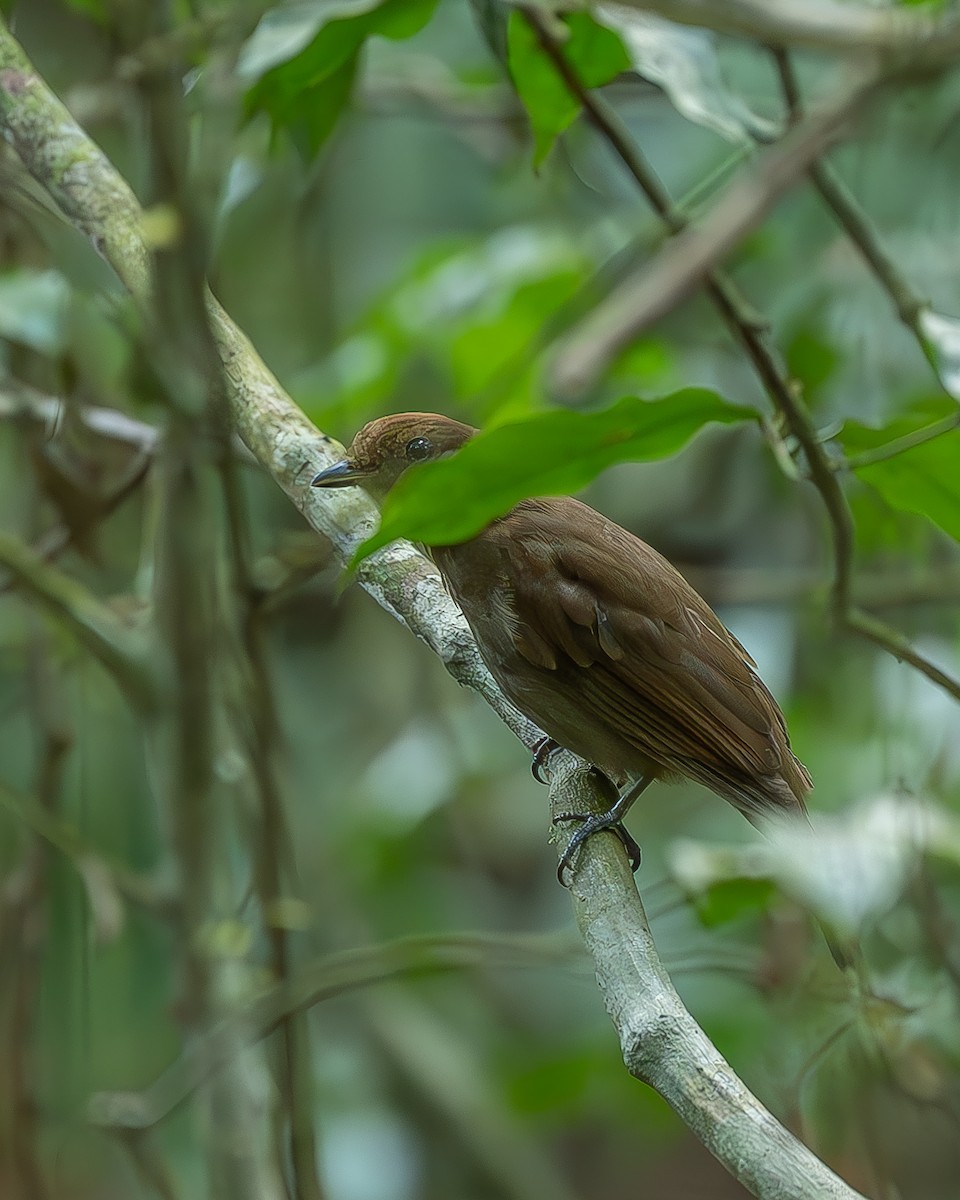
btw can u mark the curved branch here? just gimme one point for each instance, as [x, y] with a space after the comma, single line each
[662, 1043]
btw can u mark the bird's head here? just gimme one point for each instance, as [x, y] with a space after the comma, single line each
[385, 448]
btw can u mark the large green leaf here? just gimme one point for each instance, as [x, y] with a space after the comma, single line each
[550, 454]
[595, 54]
[303, 58]
[924, 479]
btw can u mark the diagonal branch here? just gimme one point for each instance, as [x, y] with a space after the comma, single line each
[693, 256]
[662, 1042]
[118, 648]
[910, 306]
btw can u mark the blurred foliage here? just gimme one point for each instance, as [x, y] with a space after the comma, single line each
[397, 228]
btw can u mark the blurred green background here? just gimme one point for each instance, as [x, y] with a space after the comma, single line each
[380, 229]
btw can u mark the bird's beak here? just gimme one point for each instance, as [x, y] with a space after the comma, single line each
[341, 474]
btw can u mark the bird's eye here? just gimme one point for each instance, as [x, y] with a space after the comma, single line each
[418, 449]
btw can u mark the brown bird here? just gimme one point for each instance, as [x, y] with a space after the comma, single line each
[599, 640]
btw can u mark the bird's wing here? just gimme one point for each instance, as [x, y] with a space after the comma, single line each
[656, 661]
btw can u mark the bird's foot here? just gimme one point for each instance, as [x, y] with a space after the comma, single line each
[541, 753]
[593, 824]
[611, 819]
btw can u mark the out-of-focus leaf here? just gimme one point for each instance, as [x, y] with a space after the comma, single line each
[95, 9]
[553, 453]
[286, 31]
[942, 335]
[473, 313]
[242, 180]
[33, 309]
[302, 59]
[849, 871]
[729, 899]
[924, 479]
[593, 51]
[683, 62]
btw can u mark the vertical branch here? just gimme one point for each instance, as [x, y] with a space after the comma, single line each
[197, 618]
[275, 859]
[27, 928]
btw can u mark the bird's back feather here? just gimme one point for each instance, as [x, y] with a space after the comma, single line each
[605, 623]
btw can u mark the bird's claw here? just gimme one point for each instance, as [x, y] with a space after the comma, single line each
[592, 824]
[541, 752]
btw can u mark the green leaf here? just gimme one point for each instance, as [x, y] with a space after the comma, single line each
[33, 309]
[96, 10]
[942, 337]
[925, 480]
[596, 55]
[550, 454]
[303, 59]
[729, 899]
[684, 63]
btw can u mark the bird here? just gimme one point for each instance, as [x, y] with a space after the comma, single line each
[600, 641]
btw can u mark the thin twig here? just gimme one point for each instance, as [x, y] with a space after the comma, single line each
[909, 307]
[907, 302]
[693, 257]
[919, 437]
[309, 985]
[275, 862]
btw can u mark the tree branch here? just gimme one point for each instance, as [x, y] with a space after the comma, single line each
[906, 37]
[693, 256]
[113, 644]
[332, 975]
[657, 1032]
[662, 1042]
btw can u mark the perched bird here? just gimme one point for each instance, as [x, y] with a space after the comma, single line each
[599, 640]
